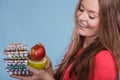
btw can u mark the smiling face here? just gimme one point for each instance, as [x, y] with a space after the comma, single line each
[88, 21]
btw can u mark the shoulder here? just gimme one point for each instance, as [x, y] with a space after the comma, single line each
[104, 55]
[104, 66]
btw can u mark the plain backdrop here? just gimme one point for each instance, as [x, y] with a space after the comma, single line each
[50, 22]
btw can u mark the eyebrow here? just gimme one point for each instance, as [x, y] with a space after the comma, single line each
[92, 11]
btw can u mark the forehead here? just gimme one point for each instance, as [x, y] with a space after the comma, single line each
[91, 5]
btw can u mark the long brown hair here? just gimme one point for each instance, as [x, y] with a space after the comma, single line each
[108, 39]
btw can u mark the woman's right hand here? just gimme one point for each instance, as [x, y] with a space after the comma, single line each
[37, 75]
[44, 74]
[49, 67]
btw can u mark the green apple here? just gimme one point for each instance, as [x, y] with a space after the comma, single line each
[37, 64]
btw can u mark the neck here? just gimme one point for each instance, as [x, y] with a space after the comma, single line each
[88, 41]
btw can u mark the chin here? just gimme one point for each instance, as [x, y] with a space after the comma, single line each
[82, 33]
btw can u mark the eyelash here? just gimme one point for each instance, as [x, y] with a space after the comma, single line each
[91, 17]
[81, 9]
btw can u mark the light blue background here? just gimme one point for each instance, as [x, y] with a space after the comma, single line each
[30, 21]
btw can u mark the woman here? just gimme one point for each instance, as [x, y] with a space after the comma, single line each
[94, 51]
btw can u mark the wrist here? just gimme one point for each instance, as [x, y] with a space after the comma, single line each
[47, 76]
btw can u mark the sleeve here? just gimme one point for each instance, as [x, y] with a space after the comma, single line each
[104, 68]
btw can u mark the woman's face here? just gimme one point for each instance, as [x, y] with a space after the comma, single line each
[88, 21]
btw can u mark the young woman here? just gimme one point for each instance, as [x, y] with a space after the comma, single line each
[94, 51]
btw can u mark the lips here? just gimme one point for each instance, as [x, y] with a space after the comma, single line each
[82, 25]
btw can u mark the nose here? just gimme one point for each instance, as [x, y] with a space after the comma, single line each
[83, 16]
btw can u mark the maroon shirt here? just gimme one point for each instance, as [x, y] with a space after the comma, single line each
[104, 68]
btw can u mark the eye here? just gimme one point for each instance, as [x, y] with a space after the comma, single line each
[81, 8]
[92, 16]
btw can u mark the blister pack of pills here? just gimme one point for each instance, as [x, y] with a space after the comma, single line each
[16, 60]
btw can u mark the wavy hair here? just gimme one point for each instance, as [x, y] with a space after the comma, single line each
[108, 39]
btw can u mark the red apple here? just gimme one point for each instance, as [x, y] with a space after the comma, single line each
[37, 52]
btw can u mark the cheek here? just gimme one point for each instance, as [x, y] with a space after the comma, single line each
[95, 26]
[78, 13]
[95, 23]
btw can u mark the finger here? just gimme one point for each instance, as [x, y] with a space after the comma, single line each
[49, 67]
[34, 71]
[20, 77]
[49, 64]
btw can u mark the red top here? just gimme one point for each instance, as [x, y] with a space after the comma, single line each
[104, 67]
